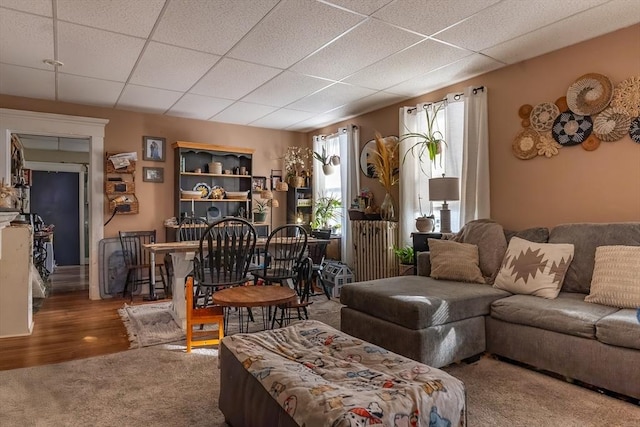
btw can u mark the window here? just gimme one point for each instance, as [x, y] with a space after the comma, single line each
[327, 187]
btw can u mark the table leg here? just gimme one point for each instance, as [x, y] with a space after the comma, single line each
[182, 266]
[152, 279]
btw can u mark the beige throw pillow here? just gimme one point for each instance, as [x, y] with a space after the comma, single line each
[616, 277]
[534, 268]
[454, 261]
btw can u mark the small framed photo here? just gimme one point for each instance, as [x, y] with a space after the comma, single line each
[153, 174]
[153, 148]
[259, 183]
[275, 180]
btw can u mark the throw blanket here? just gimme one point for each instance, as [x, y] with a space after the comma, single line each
[323, 377]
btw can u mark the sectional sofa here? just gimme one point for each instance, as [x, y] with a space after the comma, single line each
[438, 321]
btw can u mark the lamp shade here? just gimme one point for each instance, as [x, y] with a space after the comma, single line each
[444, 188]
[266, 194]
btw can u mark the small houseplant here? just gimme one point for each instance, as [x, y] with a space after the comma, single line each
[425, 223]
[328, 162]
[325, 209]
[297, 160]
[260, 210]
[430, 142]
[405, 256]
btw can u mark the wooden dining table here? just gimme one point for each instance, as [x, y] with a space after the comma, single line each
[182, 255]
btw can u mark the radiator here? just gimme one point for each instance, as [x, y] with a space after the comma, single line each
[373, 244]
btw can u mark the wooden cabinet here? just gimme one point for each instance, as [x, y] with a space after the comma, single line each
[300, 206]
[221, 173]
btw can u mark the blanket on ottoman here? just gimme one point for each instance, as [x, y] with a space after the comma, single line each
[323, 377]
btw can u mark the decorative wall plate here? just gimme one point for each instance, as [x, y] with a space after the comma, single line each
[634, 130]
[543, 115]
[611, 125]
[590, 94]
[571, 129]
[203, 188]
[626, 96]
[524, 144]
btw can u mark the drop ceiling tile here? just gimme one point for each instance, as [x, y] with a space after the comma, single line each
[243, 113]
[292, 31]
[134, 18]
[39, 7]
[355, 50]
[316, 122]
[430, 16]
[26, 39]
[198, 107]
[366, 7]
[96, 53]
[86, 90]
[170, 67]
[27, 82]
[210, 26]
[369, 103]
[222, 81]
[285, 89]
[147, 99]
[282, 118]
[458, 71]
[601, 20]
[331, 97]
[504, 20]
[407, 64]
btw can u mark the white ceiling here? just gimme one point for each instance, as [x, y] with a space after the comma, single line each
[285, 64]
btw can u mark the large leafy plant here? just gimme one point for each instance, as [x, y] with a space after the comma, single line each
[325, 209]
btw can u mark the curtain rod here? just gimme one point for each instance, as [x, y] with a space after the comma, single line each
[456, 97]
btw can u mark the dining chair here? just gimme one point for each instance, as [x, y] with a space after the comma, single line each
[190, 228]
[317, 252]
[304, 271]
[283, 252]
[198, 315]
[225, 251]
[138, 261]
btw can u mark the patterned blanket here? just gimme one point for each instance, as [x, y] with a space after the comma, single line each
[323, 377]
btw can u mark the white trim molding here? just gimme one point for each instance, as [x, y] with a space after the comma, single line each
[34, 123]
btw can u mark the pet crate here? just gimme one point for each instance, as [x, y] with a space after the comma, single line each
[336, 275]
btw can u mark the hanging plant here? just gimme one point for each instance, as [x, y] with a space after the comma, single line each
[328, 162]
[429, 143]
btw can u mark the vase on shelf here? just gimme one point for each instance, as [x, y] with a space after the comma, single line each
[387, 211]
[425, 224]
[296, 181]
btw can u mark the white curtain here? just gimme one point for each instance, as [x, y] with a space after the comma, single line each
[464, 124]
[344, 143]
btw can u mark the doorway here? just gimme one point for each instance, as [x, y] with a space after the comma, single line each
[55, 197]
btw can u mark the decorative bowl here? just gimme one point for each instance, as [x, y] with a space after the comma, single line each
[185, 194]
[237, 195]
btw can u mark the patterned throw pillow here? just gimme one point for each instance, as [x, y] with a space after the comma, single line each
[616, 277]
[454, 261]
[534, 268]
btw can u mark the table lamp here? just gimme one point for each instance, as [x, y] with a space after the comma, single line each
[444, 189]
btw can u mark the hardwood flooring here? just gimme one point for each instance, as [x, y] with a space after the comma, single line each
[68, 325]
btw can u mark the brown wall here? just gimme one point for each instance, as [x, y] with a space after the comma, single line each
[598, 186]
[576, 185]
[125, 130]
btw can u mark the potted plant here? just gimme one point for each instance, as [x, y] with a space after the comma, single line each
[325, 208]
[425, 223]
[405, 256]
[260, 210]
[297, 161]
[328, 162]
[430, 142]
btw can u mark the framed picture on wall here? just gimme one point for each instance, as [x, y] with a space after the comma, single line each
[275, 179]
[153, 148]
[259, 183]
[153, 174]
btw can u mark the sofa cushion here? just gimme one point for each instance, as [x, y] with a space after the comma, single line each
[616, 277]
[454, 261]
[533, 234]
[417, 302]
[567, 314]
[489, 237]
[621, 328]
[534, 268]
[586, 237]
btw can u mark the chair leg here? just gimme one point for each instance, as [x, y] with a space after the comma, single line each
[324, 287]
[189, 336]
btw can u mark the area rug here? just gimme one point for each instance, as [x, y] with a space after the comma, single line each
[153, 324]
[163, 386]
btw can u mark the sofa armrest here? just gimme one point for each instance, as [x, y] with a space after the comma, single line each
[424, 264]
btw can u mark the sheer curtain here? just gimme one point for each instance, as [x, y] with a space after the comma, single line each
[345, 144]
[464, 123]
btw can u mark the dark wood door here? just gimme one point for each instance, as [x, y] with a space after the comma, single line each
[55, 197]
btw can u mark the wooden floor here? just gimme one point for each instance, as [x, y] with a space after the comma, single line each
[68, 325]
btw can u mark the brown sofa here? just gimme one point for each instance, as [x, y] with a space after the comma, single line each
[438, 321]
